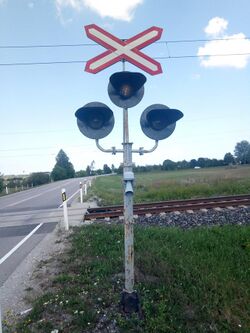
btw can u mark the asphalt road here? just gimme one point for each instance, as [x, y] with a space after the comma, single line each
[25, 220]
[42, 197]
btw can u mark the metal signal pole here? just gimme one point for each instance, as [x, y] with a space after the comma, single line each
[130, 301]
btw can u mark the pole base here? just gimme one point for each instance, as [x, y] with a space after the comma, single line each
[130, 302]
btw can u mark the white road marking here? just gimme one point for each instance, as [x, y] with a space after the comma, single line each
[19, 244]
[32, 197]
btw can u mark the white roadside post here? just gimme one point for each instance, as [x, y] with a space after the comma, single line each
[85, 189]
[81, 193]
[65, 210]
[6, 189]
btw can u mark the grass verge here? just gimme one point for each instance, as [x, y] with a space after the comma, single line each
[188, 281]
[182, 184]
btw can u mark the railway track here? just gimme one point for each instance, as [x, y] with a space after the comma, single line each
[169, 206]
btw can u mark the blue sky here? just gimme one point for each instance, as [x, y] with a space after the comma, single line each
[38, 102]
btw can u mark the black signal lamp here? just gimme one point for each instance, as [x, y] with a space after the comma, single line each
[158, 121]
[95, 120]
[126, 89]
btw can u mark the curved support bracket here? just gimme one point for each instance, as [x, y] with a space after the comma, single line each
[113, 150]
[142, 151]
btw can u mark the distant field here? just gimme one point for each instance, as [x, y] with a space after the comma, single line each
[182, 184]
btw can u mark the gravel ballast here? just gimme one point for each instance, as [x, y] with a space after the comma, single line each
[187, 220]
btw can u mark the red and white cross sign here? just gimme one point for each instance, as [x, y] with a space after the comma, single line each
[118, 49]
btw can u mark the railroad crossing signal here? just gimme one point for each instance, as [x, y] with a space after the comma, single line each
[126, 89]
[118, 49]
[95, 120]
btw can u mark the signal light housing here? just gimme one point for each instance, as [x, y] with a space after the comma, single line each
[158, 121]
[126, 89]
[95, 120]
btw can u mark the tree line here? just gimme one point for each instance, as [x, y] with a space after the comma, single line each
[64, 169]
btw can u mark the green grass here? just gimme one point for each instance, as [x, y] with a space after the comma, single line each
[182, 184]
[188, 281]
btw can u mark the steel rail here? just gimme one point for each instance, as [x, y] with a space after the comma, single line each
[170, 202]
[170, 206]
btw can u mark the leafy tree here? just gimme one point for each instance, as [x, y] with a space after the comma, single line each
[228, 159]
[168, 165]
[201, 162]
[38, 178]
[242, 152]
[183, 165]
[193, 163]
[98, 172]
[58, 173]
[1, 183]
[88, 171]
[15, 182]
[120, 169]
[63, 168]
[81, 173]
[106, 169]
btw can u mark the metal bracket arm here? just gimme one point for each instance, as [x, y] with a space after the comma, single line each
[113, 150]
[142, 151]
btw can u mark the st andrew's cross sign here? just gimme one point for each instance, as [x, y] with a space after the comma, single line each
[118, 49]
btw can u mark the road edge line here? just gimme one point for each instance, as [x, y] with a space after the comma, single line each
[7, 255]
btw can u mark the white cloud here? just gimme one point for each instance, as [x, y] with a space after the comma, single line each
[116, 9]
[236, 47]
[31, 5]
[216, 26]
[75, 4]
